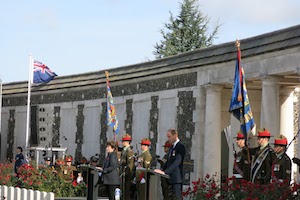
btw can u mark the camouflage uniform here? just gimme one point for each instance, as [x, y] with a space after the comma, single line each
[144, 161]
[126, 166]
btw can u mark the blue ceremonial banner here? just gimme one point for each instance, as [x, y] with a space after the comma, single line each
[111, 115]
[240, 105]
[42, 73]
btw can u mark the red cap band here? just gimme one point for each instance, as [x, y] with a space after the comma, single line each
[145, 142]
[167, 144]
[126, 138]
[264, 133]
[240, 136]
[281, 142]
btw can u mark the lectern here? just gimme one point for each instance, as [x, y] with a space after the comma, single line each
[92, 181]
[152, 181]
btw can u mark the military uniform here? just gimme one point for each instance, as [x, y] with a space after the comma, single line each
[164, 182]
[281, 167]
[68, 170]
[241, 168]
[144, 161]
[262, 161]
[126, 167]
[262, 165]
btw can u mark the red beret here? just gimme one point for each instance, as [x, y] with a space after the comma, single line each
[167, 144]
[145, 142]
[126, 138]
[68, 159]
[264, 133]
[240, 135]
[281, 140]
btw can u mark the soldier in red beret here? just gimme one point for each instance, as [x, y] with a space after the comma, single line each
[68, 169]
[126, 166]
[281, 167]
[263, 158]
[144, 161]
[241, 167]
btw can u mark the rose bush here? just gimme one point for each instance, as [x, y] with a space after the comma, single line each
[236, 189]
[42, 179]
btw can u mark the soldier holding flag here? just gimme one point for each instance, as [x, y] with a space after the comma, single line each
[241, 167]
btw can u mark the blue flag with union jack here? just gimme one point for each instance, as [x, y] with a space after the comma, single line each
[42, 73]
[111, 115]
[240, 105]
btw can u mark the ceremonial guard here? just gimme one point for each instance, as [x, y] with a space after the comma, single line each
[68, 169]
[144, 161]
[281, 167]
[241, 166]
[126, 166]
[58, 165]
[263, 157]
[164, 182]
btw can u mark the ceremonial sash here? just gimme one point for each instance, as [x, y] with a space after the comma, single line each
[236, 167]
[258, 162]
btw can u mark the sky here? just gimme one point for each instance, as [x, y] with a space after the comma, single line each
[77, 36]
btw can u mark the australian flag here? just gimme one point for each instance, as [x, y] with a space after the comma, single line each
[42, 73]
[111, 115]
[240, 105]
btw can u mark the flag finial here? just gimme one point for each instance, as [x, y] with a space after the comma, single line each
[237, 44]
[106, 74]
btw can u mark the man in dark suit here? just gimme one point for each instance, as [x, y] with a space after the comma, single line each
[174, 164]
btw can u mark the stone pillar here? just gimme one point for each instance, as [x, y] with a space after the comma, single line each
[287, 119]
[212, 137]
[198, 139]
[270, 105]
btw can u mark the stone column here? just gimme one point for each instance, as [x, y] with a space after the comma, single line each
[198, 139]
[287, 119]
[212, 137]
[270, 105]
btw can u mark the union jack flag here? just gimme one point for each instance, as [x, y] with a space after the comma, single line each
[42, 73]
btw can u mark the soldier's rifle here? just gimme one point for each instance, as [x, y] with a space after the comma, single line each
[292, 140]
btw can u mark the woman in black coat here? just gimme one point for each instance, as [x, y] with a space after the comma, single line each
[110, 172]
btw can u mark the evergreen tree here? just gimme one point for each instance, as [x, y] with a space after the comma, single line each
[187, 32]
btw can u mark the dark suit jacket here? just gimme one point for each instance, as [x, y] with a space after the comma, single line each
[110, 172]
[174, 164]
[19, 161]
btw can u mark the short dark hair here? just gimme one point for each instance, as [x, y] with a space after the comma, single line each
[173, 131]
[112, 144]
[21, 149]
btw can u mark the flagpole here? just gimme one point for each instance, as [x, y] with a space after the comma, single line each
[28, 104]
[238, 44]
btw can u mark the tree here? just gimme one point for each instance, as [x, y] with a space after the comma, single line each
[187, 32]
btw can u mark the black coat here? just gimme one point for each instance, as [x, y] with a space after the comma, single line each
[110, 172]
[174, 164]
[19, 161]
